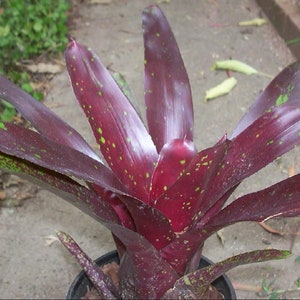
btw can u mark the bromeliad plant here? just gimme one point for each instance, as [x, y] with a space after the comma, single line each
[160, 197]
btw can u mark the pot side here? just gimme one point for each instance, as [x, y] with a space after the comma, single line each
[80, 285]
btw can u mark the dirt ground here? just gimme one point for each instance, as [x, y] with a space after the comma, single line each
[34, 266]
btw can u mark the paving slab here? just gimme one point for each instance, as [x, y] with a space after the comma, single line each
[206, 31]
[285, 16]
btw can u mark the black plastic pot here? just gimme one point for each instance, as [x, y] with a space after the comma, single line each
[81, 283]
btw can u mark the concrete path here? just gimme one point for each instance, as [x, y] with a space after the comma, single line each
[206, 31]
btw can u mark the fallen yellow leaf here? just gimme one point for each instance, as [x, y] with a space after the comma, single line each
[221, 89]
[253, 22]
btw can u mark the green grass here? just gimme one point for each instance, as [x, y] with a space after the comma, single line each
[28, 29]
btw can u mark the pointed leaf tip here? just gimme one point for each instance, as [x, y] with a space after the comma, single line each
[72, 39]
[167, 89]
[173, 159]
[124, 140]
[283, 89]
[100, 280]
[205, 276]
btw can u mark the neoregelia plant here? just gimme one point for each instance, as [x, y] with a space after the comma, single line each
[160, 197]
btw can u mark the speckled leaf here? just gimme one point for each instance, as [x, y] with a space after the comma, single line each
[285, 87]
[149, 222]
[173, 159]
[138, 265]
[167, 89]
[270, 136]
[43, 119]
[185, 195]
[124, 141]
[197, 279]
[101, 282]
[214, 208]
[85, 199]
[31, 146]
[279, 200]
[186, 292]
[185, 245]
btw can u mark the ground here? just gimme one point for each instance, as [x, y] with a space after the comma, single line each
[34, 265]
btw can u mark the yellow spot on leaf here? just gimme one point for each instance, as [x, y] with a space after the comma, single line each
[186, 280]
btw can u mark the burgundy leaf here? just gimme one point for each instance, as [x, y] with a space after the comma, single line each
[256, 207]
[173, 159]
[29, 145]
[101, 282]
[114, 200]
[167, 89]
[270, 136]
[149, 222]
[179, 252]
[180, 203]
[281, 199]
[138, 265]
[85, 199]
[43, 119]
[202, 277]
[214, 209]
[284, 88]
[124, 141]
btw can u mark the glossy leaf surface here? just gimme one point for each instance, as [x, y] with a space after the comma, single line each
[150, 222]
[284, 88]
[124, 141]
[184, 197]
[270, 136]
[173, 159]
[85, 199]
[31, 146]
[168, 97]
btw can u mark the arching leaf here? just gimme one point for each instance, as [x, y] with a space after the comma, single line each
[167, 89]
[124, 141]
[43, 119]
